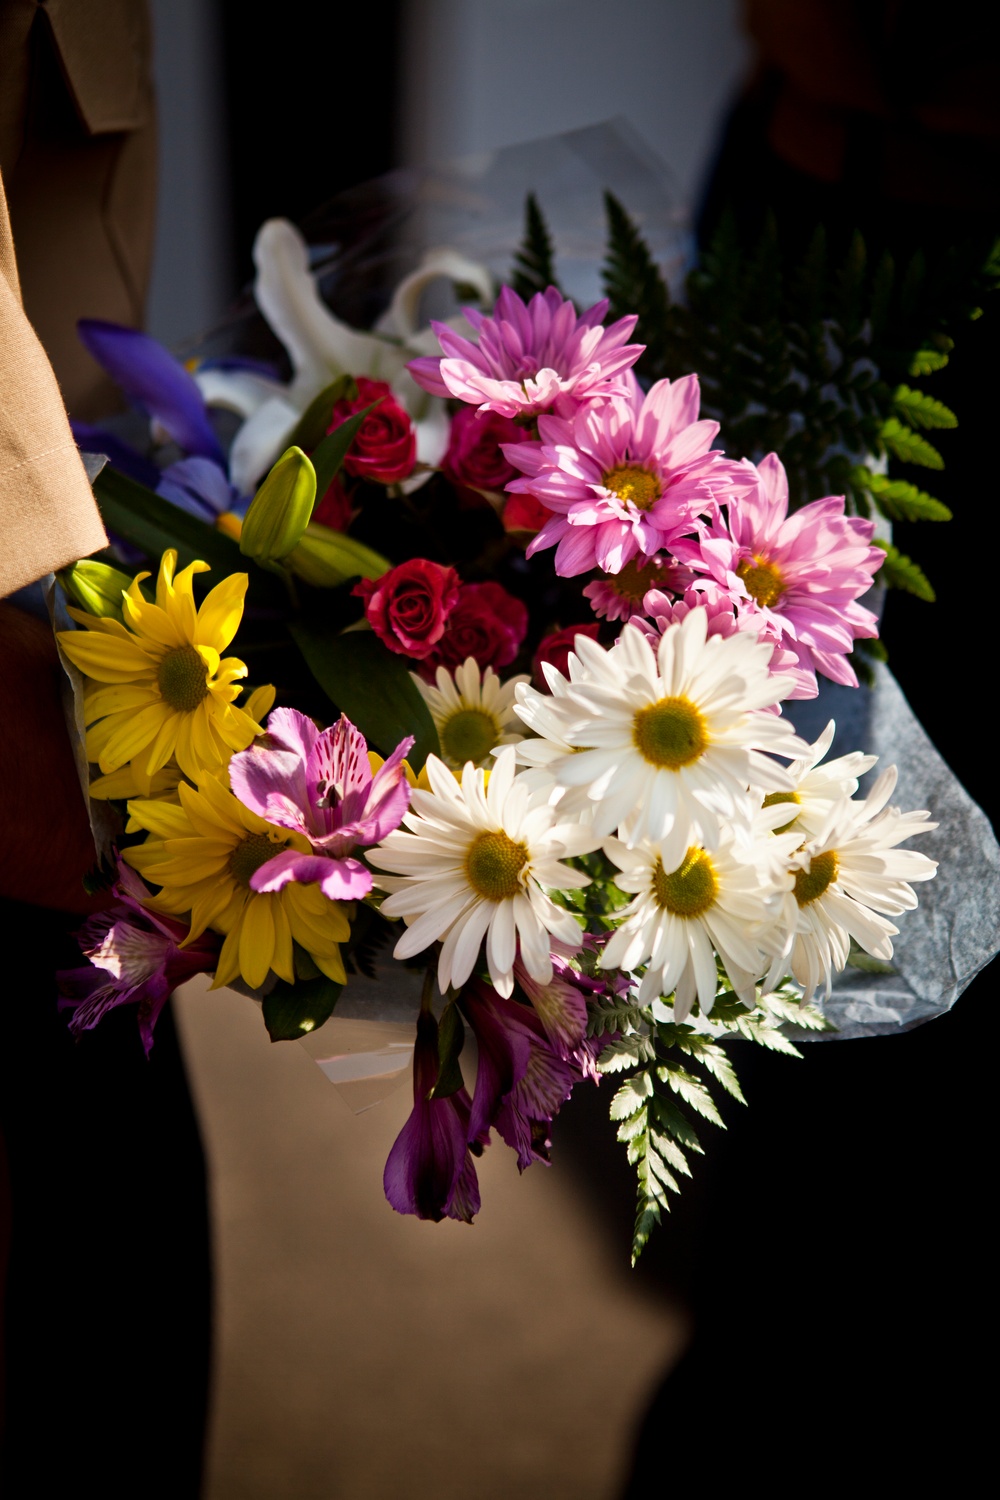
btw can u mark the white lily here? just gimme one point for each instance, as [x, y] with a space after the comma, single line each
[321, 347]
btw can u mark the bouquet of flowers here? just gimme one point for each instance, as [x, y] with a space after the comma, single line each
[530, 634]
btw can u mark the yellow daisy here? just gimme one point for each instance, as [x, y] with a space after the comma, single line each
[203, 851]
[159, 689]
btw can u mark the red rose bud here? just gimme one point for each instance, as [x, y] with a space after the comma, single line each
[409, 607]
[487, 623]
[555, 650]
[385, 445]
[474, 457]
[525, 515]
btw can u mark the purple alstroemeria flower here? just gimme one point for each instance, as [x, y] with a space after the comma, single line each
[430, 1170]
[521, 1081]
[135, 959]
[320, 783]
[154, 380]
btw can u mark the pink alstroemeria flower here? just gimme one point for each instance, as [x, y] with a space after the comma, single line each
[320, 783]
[800, 575]
[625, 477]
[135, 959]
[530, 359]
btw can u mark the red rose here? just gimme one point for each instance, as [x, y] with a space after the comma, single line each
[409, 606]
[474, 455]
[487, 623]
[385, 445]
[555, 649]
[523, 513]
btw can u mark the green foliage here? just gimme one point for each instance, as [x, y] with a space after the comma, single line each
[534, 262]
[280, 510]
[291, 1011]
[674, 1066]
[371, 685]
[315, 420]
[901, 572]
[633, 285]
[808, 359]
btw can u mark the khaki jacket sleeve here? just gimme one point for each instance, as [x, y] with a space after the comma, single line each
[48, 517]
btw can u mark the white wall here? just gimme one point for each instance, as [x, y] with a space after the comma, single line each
[485, 73]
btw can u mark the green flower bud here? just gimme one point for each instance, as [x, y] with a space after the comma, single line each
[280, 510]
[325, 558]
[95, 587]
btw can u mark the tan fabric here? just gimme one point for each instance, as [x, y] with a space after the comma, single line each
[78, 158]
[47, 513]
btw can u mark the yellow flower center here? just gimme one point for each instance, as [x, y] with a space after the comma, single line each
[690, 889]
[632, 482]
[250, 853]
[822, 872]
[183, 678]
[493, 865]
[773, 798]
[633, 582]
[762, 579]
[670, 733]
[469, 734]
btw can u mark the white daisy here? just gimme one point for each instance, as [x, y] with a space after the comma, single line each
[474, 865]
[472, 714]
[721, 901]
[668, 738]
[847, 881]
[818, 787]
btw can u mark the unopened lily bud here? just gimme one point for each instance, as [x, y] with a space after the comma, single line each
[280, 510]
[326, 558]
[95, 587]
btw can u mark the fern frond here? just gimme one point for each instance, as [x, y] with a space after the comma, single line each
[634, 284]
[901, 572]
[898, 500]
[534, 261]
[908, 446]
[921, 410]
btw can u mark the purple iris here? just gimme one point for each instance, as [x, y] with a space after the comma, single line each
[135, 959]
[430, 1171]
[320, 784]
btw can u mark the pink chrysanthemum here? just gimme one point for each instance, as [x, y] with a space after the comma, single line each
[800, 574]
[619, 596]
[624, 477]
[530, 359]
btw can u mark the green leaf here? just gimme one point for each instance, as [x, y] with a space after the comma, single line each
[927, 362]
[901, 572]
[898, 499]
[534, 262]
[291, 1011]
[634, 284]
[691, 1090]
[371, 685]
[94, 586]
[153, 524]
[315, 420]
[626, 1052]
[329, 455]
[632, 1096]
[908, 446]
[451, 1039]
[921, 410]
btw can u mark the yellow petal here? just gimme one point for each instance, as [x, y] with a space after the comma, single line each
[202, 742]
[331, 964]
[103, 624]
[108, 658]
[110, 699]
[228, 967]
[256, 940]
[163, 818]
[235, 727]
[259, 703]
[282, 963]
[221, 612]
[148, 619]
[133, 732]
[213, 806]
[163, 746]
